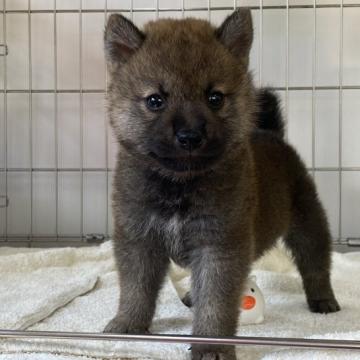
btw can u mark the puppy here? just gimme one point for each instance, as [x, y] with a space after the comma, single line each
[203, 175]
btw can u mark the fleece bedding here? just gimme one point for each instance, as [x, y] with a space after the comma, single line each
[76, 289]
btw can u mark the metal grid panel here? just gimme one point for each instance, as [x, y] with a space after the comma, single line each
[56, 148]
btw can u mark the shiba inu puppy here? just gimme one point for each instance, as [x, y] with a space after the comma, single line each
[203, 175]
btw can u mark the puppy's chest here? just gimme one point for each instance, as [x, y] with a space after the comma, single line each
[175, 213]
[182, 217]
[182, 235]
[171, 228]
[172, 224]
[183, 223]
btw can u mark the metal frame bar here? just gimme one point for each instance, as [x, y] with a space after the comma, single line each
[40, 237]
[5, 125]
[30, 121]
[81, 119]
[76, 237]
[198, 8]
[157, 9]
[100, 91]
[287, 71]
[341, 51]
[106, 127]
[344, 168]
[56, 126]
[188, 339]
[261, 14]
[313, 92]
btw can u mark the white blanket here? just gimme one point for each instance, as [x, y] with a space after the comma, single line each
[286, 311]
[34, 283]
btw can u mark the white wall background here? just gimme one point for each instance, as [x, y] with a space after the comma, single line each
[295, 49]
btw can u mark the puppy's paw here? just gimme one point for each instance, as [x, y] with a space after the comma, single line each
[324, 306]
[116, 326]
[119, 326]
[213, 356]
[223, 354]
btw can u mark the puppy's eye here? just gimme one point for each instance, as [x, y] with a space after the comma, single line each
[215, 99]
[155, 102]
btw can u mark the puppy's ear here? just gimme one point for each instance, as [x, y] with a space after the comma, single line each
[121, 39]
[236, 33]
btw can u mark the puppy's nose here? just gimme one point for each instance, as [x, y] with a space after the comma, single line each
[189, 139]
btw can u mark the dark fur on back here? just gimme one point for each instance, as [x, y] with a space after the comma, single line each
[214, 205]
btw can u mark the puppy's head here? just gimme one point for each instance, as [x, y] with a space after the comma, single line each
[180, 95]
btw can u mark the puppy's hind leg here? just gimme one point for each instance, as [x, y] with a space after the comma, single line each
[310, 243]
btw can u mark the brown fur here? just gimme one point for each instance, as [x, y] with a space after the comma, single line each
[214, 209]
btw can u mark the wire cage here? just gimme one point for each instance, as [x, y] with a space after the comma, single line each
[56, 148]
[57, 151]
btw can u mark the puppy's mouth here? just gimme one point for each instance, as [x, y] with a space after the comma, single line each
[186, 163]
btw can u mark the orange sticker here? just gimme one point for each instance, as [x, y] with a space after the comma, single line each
[248, 302]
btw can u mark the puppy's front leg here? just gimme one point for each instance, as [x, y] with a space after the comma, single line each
[142, 267]
[218, 276]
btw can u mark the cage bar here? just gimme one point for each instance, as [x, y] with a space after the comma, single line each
[190, 8]
[81, 121]
[56, 127]
[100, 91]
[5, 127]
[261, 22]
[30, 122]
[313, 91]
[341, 60]
[189, 339]
[106, 135]
[287, 71]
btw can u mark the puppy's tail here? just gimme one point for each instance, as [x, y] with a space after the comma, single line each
[269, 115]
